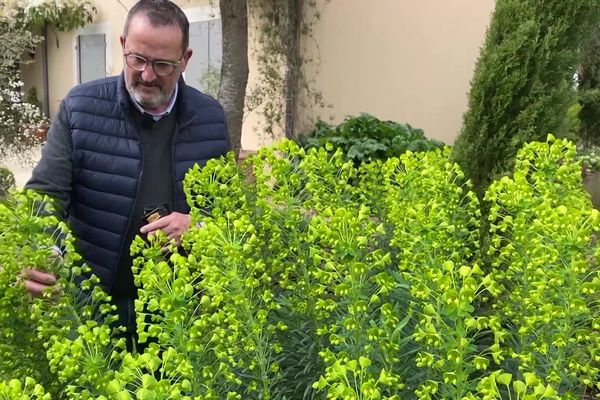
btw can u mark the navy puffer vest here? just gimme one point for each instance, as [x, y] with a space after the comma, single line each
[107, 162]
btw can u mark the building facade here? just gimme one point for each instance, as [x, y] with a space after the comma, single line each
[407, 61]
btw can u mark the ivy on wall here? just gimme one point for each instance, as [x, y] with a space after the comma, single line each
[281, 28]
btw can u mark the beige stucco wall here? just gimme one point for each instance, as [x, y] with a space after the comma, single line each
[407, 61]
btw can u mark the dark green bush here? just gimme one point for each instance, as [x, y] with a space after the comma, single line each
[523, 82]
[365, 138]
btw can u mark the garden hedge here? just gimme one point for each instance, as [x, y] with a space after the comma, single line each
[522, 86]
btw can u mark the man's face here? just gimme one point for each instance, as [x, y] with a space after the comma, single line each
[154, 43]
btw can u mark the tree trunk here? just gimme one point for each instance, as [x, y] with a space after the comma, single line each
[293, 29]
[234, 67]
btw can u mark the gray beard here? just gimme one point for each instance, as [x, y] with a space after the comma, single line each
[135, 98]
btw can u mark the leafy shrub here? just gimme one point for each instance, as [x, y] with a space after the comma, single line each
[303, 285]
[365, 138]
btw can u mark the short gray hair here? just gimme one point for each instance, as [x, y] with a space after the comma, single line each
[161, 13]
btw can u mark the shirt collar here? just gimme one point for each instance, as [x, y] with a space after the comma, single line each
[157, 117]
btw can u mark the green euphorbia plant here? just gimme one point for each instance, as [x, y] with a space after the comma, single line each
[57, 339]
[544, 275]
[28, 390]
[314, 278]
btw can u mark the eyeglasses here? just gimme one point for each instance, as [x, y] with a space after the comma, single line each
[160, 67]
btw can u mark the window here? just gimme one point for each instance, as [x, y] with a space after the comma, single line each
[91, 57]
[204, 68]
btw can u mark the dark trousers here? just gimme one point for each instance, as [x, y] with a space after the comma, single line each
[126, 314]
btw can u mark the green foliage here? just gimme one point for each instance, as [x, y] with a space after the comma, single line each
[523, 82]
[7, 181]
[64, 15]
[298, 283]
[28, 390]
[588, 86]
[31, 97]
[24, 244]
[572, 123]
[366, 138]
[38, 334]
[541, 225]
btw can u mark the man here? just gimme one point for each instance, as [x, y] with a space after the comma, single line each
[122, 144]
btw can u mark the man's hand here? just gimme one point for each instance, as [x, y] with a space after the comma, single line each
[173, 225]
[37, 281]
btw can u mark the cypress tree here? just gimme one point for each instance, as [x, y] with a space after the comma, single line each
[588, 79]
[522, 86]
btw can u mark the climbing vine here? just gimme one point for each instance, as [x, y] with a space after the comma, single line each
[64, 15]
[282, 26]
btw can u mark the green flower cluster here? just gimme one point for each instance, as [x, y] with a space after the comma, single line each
[305, 276]
[56, 340]
[29, 390]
